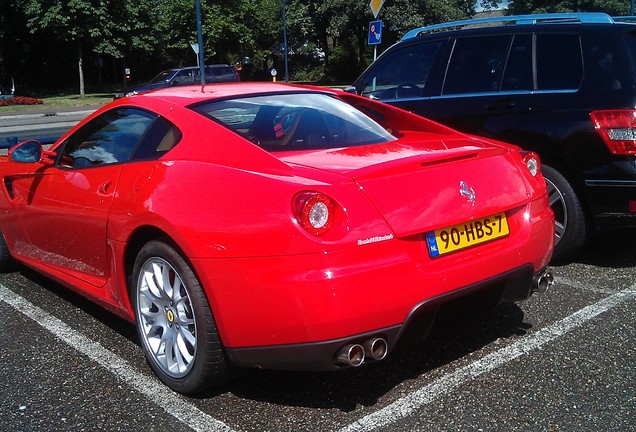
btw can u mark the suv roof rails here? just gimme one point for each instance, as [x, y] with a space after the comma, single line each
[625, 19]
[555, 18]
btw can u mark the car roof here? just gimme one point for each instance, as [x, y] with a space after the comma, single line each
[519, 20]
[216, 65]
[191, 94]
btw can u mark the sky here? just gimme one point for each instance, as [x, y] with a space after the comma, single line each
[503, 4]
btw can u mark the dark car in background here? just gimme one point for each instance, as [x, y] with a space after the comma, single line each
[561, 85]
[184, 76]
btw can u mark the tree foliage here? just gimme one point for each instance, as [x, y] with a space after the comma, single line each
[326, 38]
[611, 7]
[111, 27]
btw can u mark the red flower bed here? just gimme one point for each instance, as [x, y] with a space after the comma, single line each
[20, 100]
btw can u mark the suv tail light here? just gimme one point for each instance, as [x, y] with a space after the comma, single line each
[618, 130]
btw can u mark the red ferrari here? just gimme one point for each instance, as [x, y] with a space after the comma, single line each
[273, 226]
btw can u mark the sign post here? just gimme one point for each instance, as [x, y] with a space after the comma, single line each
[200, 42]
[375, 27]
[375, 36]
[195, 48]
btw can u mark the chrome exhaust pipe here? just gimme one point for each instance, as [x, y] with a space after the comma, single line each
[351, 355]
[543, 282]
[376, 348]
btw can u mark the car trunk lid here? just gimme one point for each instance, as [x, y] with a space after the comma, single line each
[428, 186]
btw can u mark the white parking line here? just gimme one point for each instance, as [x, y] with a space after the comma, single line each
[159, 394]
[583, 286]
[405, 406]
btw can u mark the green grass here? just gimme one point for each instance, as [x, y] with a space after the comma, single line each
[62, 101]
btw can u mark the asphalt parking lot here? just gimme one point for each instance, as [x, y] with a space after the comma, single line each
[561, 361]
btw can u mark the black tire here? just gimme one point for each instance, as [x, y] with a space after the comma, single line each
[570, 225]
[165, 315]
[6, 262]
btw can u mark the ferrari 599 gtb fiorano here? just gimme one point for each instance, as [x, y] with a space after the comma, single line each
[273, 226]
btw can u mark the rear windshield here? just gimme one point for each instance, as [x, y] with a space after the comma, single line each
[298, 121]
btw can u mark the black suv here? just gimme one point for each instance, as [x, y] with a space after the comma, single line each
[562, 85]
[184, 76]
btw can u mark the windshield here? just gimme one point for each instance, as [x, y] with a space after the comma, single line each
[296, 121]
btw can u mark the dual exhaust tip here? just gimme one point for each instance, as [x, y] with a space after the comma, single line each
[543, 281]
[377, 348]
[356, 354]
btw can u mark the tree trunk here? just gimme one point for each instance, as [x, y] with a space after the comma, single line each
[80, 69]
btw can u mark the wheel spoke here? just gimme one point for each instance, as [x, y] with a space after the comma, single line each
[184, 321]
[150, 285]
[168, 351]
[559, 229]
[187, 336]
[554, 196]
[185, 357]
[176, 290]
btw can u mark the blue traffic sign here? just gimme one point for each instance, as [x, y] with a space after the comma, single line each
[375, 32]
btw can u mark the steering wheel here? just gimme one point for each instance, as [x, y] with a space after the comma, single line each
[409, 88]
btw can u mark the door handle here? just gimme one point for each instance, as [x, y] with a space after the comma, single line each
[104, 188]
[501, 105]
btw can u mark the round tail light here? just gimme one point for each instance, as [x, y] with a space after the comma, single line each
[315, 212]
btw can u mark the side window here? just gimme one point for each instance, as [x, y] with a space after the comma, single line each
[476, 64]
[402, 73]
[559, 62]
[220, 73]
[107, 139]
[606, 66]
[630, 43]
[160, 138]
[518, 72]
[186, 76]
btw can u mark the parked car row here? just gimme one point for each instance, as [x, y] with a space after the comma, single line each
[561, 85]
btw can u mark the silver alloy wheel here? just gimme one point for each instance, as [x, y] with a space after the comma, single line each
[557, 204]
[167, 318]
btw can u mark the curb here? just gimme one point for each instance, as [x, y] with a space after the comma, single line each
[46, 114]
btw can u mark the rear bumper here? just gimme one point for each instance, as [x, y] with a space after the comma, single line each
[266, 304]
[513, 285]
[611, 194]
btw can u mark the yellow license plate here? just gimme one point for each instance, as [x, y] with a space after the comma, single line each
[467, 234]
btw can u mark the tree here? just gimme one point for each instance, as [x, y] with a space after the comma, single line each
[326, 36]
[339, 27]
[104, 26]
[612, 7]
[13, 40]
[232, 30]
